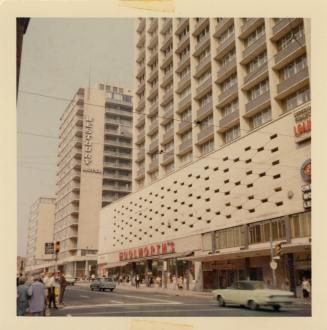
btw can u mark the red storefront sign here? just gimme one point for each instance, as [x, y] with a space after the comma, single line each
[147, 251]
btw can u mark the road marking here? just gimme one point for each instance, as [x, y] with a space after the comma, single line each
[116, 301]
[84, 296]
[119, 305]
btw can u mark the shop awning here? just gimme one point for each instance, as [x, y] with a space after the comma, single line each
[176, 255]
[116, 264]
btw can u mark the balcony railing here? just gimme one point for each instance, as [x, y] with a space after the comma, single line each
[153, 92]
[140, 137]
[141, 56]
[181, 25]
[116, 187]
[203, 87]
[184, 102]
[229, 119]
[254, 47]
[167, 96]
[200, 24]
[167, 78]
[120, 112]
[119, 132]
[183, 82]
[153, 75]
[117, 176]
[182, 40]
[282, 24]
[153, 109]
[153, 165]
[118, 143]
[294, 80]
[227, 94]
[168, 155]
[153, 145]
[118, 165]
[117, 154]
[153, 127]
[293, 46]
[153, 41]
[205, 40]
[141, 25]
[140, 173]
[204, 110]
[223, 25]
[258, 103]
[141, 41]
[256, 73]
[183, 62]
[205, 133]
[226, 70]
[140, 155]
[168, 115]
[185, 123]
[225, 46]
[140, 121]
[166, 25]
[168, 135]
[250, 25]
[167, 59]
[185, 146]
[141, 105]
[205, 62]
[153, 25]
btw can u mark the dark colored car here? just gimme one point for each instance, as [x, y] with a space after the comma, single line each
[102, 284]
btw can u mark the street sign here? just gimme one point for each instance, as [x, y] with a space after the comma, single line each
[273, 265]
[48, 248]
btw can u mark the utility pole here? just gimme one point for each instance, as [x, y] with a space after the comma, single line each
[273, 263]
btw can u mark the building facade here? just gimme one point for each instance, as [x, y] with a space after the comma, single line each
[222, 149]
[94, 169]
[40, 231]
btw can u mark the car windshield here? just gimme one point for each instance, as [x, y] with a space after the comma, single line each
[250, 285]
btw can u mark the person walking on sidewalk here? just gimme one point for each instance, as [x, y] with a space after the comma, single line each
[38, 297]
[306, 288]
[63, 284]
[137, 281]
[22, 297]
[51, 291]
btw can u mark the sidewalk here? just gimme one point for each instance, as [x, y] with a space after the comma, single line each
[180, 293]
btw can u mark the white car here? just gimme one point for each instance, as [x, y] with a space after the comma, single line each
[70, 279]
[253, 294]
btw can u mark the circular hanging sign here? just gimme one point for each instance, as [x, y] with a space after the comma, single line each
[273, 265]
[306, 170]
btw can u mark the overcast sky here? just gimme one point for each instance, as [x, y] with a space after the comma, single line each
[56, 61]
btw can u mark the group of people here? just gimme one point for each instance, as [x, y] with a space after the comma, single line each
[34, 297]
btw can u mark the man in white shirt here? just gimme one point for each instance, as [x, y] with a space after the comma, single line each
[51, 291]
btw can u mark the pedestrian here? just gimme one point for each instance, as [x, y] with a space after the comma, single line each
[22, 297]
[137, 280]
[37, 294]
[306, 288]
[174, 280]
[180, 282]
[51, 291]
[151, 281]
[63, 284]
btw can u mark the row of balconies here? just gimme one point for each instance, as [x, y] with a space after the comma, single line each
[108, 143]
[115, 187]
[115, 176]
[120, 112]
[117, 154]
[117, 165]
[118, 132]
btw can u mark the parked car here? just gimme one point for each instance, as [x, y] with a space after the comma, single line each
[253, 294]
[70, 279]
[102, 284]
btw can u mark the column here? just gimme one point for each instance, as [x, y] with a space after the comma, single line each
[291, 272]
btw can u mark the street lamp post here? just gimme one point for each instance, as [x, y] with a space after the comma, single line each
[274, 282]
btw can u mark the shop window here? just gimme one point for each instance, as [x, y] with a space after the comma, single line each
[262, 231]
[301, 225]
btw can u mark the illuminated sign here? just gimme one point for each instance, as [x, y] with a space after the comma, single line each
[306, 170]
[147, 251]
[306, 194]
[88, 135]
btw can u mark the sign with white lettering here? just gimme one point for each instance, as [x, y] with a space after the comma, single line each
[48, 248]
[302, 127]
[88, 135]
[147, 251]
[306, 194]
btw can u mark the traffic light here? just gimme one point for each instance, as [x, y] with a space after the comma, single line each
[278, 250]
[57, 247]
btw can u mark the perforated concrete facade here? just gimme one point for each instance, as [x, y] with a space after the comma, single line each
[254, 178]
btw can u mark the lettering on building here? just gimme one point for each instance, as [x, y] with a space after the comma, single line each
[147, 251]
[88, 135]
[92, 170]
[306, 194]
[302, 127]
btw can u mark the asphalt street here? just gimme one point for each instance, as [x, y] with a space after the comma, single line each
[81, 301]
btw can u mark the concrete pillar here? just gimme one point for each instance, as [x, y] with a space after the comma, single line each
[291, 272]
[86, 269]
[198, 276]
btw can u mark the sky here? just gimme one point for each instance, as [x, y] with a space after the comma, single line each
[59, 56]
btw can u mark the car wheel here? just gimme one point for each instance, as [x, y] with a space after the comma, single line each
[276, 308]
[221, 301]
[111, 290]
[253, 305]
[92, 289]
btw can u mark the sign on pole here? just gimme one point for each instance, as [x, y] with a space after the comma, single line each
[273, 265]
[48, 248]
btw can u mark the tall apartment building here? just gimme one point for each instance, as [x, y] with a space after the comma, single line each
[40, 231]
[221, 167]
[94, 169]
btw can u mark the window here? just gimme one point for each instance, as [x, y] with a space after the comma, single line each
[186, 114]
[259, 89]
[203, 34]
[185, 72]
[204, 54]
[207, 99]
[188, 157]
[230, 107]
[228, 57]
[298, 98]
[184, 33]
[154, 137]
[204, 77]
[260, 232]
[232, 133]
[168, 69]
[229, 82]
[170, 168]
[290, 37]
[226, 34]
[206, 122]
[231, 237]
[301, 225]
[154, 175]
[294, 67]
[257, 62]
[169, 146]
[207, 147]
[169, 126]
[186, 136]
[254, 36]
[185, 52]
[261, 118]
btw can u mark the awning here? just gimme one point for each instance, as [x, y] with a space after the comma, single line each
[116, 264]
[175, 255]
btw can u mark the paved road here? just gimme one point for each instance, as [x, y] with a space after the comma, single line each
[81, 301]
